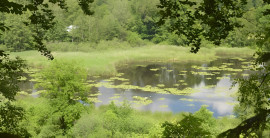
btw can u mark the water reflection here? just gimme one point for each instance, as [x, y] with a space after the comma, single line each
[211, 83]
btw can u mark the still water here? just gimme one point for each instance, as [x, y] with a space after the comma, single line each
[172, 87]
[176, 87]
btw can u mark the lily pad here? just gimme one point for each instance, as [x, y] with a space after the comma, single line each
[161, 99]
[163, 106]
[186, 99]
[142, 100]
[154, 69]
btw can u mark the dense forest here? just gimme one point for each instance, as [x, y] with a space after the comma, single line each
[134, 68]
[131, 22]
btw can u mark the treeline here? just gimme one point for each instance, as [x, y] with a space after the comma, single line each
[133, 22]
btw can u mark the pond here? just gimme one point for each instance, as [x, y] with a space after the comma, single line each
[171, 87]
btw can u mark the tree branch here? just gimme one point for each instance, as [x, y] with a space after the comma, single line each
[253, 123]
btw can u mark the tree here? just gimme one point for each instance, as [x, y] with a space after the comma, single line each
[199, 124]
[211, 20]
[41, 19]
[244, 36]
[64, 85]
[253, 95]
[18, 37]
[214, 20]
[146, 14]
[11, 70]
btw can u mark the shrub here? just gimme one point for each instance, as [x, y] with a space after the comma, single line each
[134, 39]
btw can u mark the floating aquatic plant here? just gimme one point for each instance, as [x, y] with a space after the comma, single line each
[176, 85]
[160, 85]
[247, 62]
[118, 78]
[231, 69]
[163, 106]
[186, 99]
[91, 81]
[181, 80]
[184, 84]
[219, 78]
[156, 69]
[115, 97]
[142, 100]
[94, 100]
[161, 99]
[119, 74]
[95, 94]
[147, 88]
[229, 64]
[216, 72]
[201, 73]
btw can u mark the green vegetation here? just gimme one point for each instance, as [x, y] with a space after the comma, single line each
[121, 32]
[105, 62]
[10, 115]
[64, 90]
[110, 120]
[201, 123]
[217, 20]
[58, 112]
[129, 23]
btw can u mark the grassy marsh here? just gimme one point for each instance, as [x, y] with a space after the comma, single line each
[105, 62]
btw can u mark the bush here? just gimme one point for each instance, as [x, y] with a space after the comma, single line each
[37, 111]
[112, 121]
[134, 39]
[86, 125]
[200, 124]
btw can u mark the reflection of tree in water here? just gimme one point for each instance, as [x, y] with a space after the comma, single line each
[142, 76]
[236, 64]
[168, 74]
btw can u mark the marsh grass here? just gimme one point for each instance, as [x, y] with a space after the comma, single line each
[234, 52]
[104, 62]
